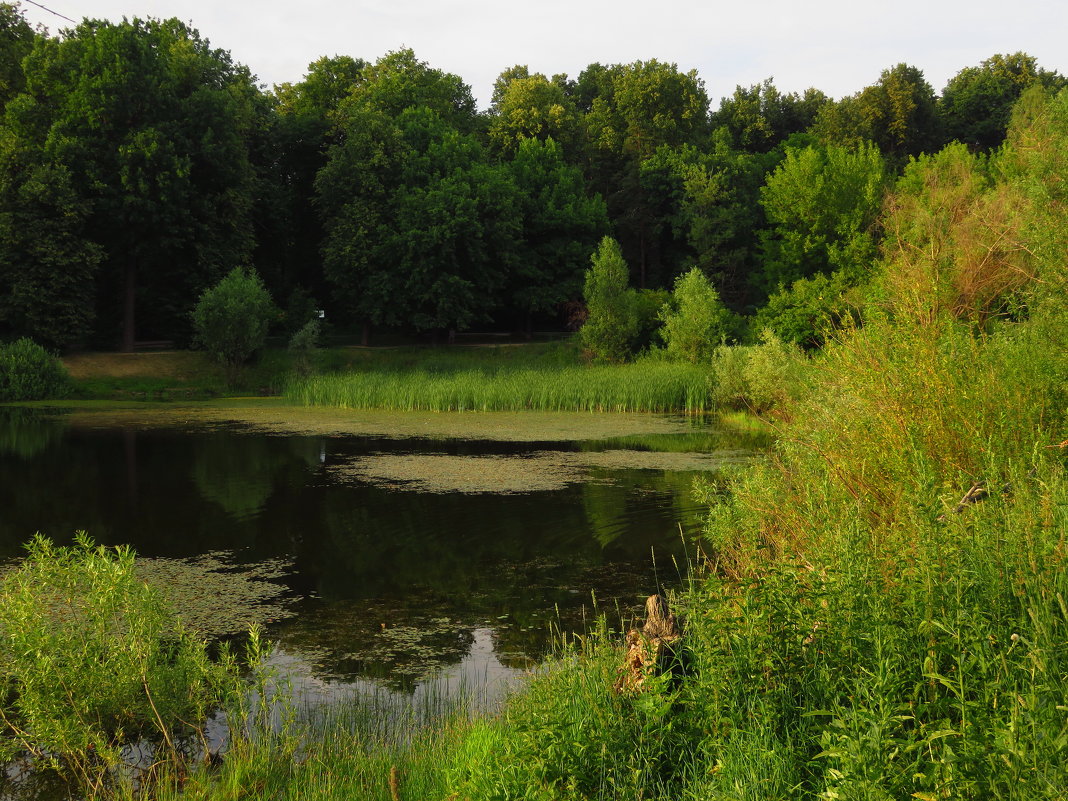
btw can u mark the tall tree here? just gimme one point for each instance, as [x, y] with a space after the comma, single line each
[421, 227]
[534, 107]
[898, 113]
[759, 117]
[150, 124]
[289, 230]
[976, 104]
[634, 109]
[16, 41]
[561, 224]
[822, 204]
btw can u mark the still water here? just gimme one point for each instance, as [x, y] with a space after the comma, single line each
[378, 550]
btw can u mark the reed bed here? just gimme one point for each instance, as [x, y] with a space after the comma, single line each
[641, 387]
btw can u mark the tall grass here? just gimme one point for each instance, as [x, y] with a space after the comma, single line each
[647, 386]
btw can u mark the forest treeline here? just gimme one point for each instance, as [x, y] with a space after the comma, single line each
[139, 165]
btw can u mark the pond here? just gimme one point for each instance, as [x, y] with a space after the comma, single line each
[379, 549]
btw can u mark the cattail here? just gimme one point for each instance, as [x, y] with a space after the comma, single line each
[394, 783]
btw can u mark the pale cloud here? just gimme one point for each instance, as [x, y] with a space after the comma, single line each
[834, 45]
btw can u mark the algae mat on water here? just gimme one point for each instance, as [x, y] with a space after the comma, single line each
[506, 474]
[274, 416]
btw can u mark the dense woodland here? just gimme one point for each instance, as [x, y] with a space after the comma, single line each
[139, 164]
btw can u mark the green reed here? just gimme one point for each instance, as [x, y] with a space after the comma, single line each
[640, 387]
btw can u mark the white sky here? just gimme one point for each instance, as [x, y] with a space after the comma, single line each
[835, 45]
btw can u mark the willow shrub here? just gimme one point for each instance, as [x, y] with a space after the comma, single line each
[92, 659]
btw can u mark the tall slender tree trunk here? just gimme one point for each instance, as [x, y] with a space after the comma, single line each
[641, 240]
[129, 333]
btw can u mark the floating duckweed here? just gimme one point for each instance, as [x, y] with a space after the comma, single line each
[541, 471]
[216, 596]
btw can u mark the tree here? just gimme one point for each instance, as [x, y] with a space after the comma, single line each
[534, 107]
[561, 224]
[49, 265]
[898, 113]
[150, 126]
[231, 319]
[976, 104]
[759, 117]
[421, 228]
[16, 41]
[695, 322]
[399, 81]
[289, 229]
[634, 109]
[822, 204]
[612, 324]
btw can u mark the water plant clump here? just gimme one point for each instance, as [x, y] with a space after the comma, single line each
[93, 661]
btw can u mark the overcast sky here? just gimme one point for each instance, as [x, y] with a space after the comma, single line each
[839, 46]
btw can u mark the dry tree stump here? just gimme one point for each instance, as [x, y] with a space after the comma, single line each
[650, 650]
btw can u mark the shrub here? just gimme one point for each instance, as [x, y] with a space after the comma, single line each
[92, 659]
[764, 378]
[231, 319]
[303, 345]
[612, 324]
[696, 321]
[29, 372]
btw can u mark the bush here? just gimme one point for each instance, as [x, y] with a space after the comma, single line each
[231, 319]
[612, 324]
[302, 346]
[696, 321]
[92, 659]
[29, 372]
[764, 378]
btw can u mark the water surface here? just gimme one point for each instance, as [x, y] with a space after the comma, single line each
[380, 549]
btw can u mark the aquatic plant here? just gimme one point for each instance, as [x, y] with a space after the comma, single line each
[647, 386]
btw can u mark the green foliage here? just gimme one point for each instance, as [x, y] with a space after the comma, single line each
[810, 308]
[231, 319]
[765, 378]
[91, 659]
[695, 322]
[898, 113]
[760, 117]
[303, 346]
[29, 372]
[421, 228]
[533, 107]
[569, 735]
[134, 138]
[976, 104]
[823, 204]
[561, 224]
[16, 40]
[611, 327]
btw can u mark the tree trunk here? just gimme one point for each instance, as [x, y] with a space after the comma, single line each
[365, 335]
[129, 335]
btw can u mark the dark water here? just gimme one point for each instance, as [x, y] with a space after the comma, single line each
[385, 584]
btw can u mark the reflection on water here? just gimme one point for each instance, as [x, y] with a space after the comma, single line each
[389, 585]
